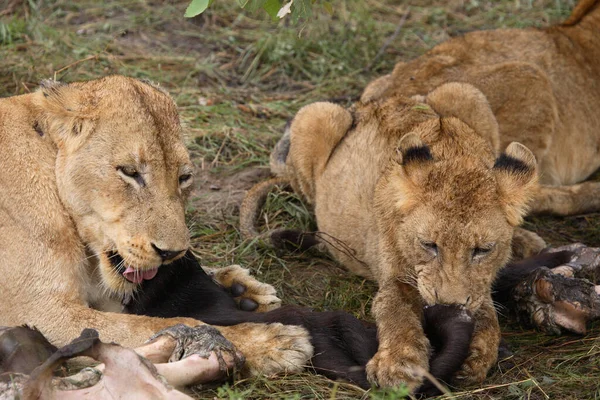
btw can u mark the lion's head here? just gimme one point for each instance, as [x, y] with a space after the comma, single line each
[123, 173]
[446, 207]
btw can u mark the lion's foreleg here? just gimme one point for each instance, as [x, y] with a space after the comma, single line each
[403, 354]
[269, 349]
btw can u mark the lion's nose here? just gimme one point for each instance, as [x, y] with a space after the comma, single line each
[167, 255]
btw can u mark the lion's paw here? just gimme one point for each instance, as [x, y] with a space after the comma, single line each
[526, 244]
[476, 366]
[271, 348]
[390, 369]
[248, 292]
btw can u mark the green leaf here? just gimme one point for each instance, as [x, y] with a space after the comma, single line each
[196, 7]
[251, 5]
[272, 7]
[422, 107]
[328, 7]
[301, 9]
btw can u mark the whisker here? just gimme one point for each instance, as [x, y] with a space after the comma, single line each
[337, 244]
[409, 280]
[94, 254]
[499, 308]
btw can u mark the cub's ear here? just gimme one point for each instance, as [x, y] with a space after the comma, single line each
[405, 181]
[314, 133]
[517, 178]
[468, 104]
[68, 112]
[412, 150]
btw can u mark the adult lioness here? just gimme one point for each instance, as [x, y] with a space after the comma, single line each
[408, 188]
[93, 180]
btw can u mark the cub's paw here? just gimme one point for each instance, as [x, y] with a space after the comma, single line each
[526, 244]
[480, 360]
[247, 291]
[271, 348]
[389, 369]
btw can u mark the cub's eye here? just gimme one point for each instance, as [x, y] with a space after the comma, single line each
[480, 252]
[185, 178]
[132, 173]
[129, 171]
[430, 247]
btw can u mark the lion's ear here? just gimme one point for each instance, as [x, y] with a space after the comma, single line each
[468, 104]
[517, 177]
[415, 161]
[67, 111]
[412, 164]
[414, 156]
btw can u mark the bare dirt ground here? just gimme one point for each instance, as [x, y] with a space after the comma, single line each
[237, 79]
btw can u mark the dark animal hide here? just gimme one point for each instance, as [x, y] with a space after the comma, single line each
[343, 344]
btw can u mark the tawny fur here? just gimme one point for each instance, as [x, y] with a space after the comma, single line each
[390, 208]
[411, 181]
[66, 204]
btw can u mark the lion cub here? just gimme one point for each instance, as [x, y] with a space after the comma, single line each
[426, 208]
[409, 188]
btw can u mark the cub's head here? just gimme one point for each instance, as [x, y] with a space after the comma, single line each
[123, 173]
[446, 207]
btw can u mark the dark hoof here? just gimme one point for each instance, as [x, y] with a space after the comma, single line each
[201, 340]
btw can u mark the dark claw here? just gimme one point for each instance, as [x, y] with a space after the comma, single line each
[248, 305]
[237, 289]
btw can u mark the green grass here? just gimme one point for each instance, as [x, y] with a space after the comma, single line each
[237, 79]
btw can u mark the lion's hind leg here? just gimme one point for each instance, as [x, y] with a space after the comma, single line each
[315, 132]
[298, 159]
[280, 152]
[566, 200]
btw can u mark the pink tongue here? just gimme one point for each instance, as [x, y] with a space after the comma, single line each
[137, 276]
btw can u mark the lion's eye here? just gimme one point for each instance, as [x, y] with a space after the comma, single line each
[480, 252]
[431, 247]
[185, 178]
[131, 172]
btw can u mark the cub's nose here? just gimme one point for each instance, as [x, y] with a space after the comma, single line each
[167, 255]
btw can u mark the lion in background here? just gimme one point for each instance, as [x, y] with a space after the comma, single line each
[93, 184]
[411, 189]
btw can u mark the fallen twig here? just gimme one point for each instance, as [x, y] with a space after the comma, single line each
[388, 41]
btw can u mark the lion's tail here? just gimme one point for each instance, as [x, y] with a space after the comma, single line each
[253, 201]
[257, 195]
[581, 10]
[282, 239]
